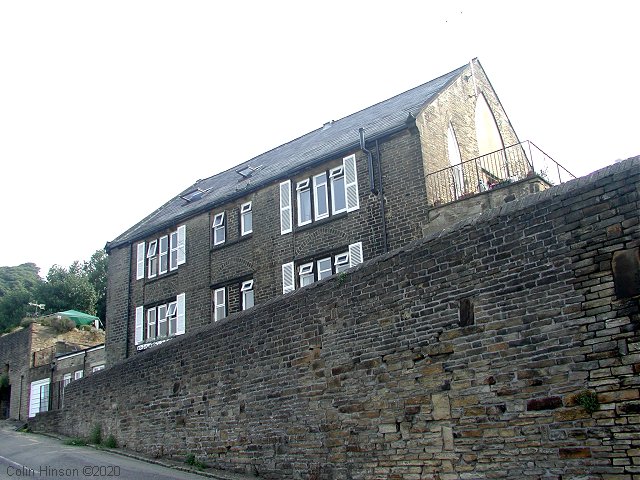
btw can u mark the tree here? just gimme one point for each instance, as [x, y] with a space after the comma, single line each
[96, 270]
[18, 287]
[66, 289]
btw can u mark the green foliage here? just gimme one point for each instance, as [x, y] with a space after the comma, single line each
[82, 286]
[96, 271]
[78, 442]
[110, 442]
[95, 436]
[589, 401]
[62, 325]
[190, 459]
[67, 289]
[18, 286]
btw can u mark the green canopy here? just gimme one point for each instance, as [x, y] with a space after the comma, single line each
[80, 318]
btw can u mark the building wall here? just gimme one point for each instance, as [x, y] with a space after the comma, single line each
[15, 351]
[462, 355]
[260, 255]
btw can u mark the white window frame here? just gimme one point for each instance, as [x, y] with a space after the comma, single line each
[246, 291]
[337, 175]
[342, 262]
[78, 374]
[162, 322]
[322, 271]
[152, 259]
[97, 368]
[246, 213]
[140, 260]
[304, 188]
[218, 226]
[222, 305]
[305, 272]
[320, 182]
[163, 254]
[173, 250]
[172, 318]
[139, 330]
[151, 324]
[66, 379]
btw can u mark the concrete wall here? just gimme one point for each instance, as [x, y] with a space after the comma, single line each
[461, 355]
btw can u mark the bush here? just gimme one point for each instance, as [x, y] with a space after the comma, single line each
[96, 435]
[78, 442]
[110, 442]
[62, 325]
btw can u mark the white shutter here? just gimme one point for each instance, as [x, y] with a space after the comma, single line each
[288, 278]
[182, 239]
[355, 254]
[140, 261]
[139, 324]
[351, 183]
[285, 207]
[180, 314]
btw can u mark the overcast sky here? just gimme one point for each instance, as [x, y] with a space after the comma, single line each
[108, 109]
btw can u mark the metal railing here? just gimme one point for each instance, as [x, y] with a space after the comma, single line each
[493, 170]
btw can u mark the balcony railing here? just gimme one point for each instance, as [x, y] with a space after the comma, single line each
[493, 170]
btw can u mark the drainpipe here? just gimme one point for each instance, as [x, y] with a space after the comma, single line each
[372, 182]
[20, 401]
[383, 215]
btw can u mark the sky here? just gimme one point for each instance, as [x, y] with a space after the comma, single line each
[110, 108]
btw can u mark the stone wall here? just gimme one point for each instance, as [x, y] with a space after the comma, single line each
[15, 351]
[471, 353]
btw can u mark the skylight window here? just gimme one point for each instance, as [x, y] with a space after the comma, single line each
[193, 195]
[247, 171]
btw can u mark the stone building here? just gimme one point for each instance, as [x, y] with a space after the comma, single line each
[28, 358]
[344, 193]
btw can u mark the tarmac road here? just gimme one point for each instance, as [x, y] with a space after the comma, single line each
[32, 456]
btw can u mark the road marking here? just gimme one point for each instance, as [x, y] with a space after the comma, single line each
[15, 464]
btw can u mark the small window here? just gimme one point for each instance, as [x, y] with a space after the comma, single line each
[172, 317]
[246, 219]
[152, 259]
[247, 294]
[97, 368]
[342, 262]
[320, 196]
[218, 229]
[78, 375]
[66, 380]
[338, 191]
[324, 268]
[304, 202]
[164, 254]
[306, 274]
[219, 304]
[163, 329]
[151, 323]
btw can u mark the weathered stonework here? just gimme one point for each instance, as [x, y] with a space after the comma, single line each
[371, 375]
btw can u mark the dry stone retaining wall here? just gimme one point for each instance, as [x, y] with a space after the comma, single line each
[475, 352]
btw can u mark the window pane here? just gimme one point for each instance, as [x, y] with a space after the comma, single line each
[164, 254]
[162, 321]
[324, 268]
[247, 299]
[304, 207]
[247, 222]
[306, 279]
[338, 196]
[321, 198]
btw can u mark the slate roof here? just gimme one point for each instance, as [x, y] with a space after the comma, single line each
[283, 161]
